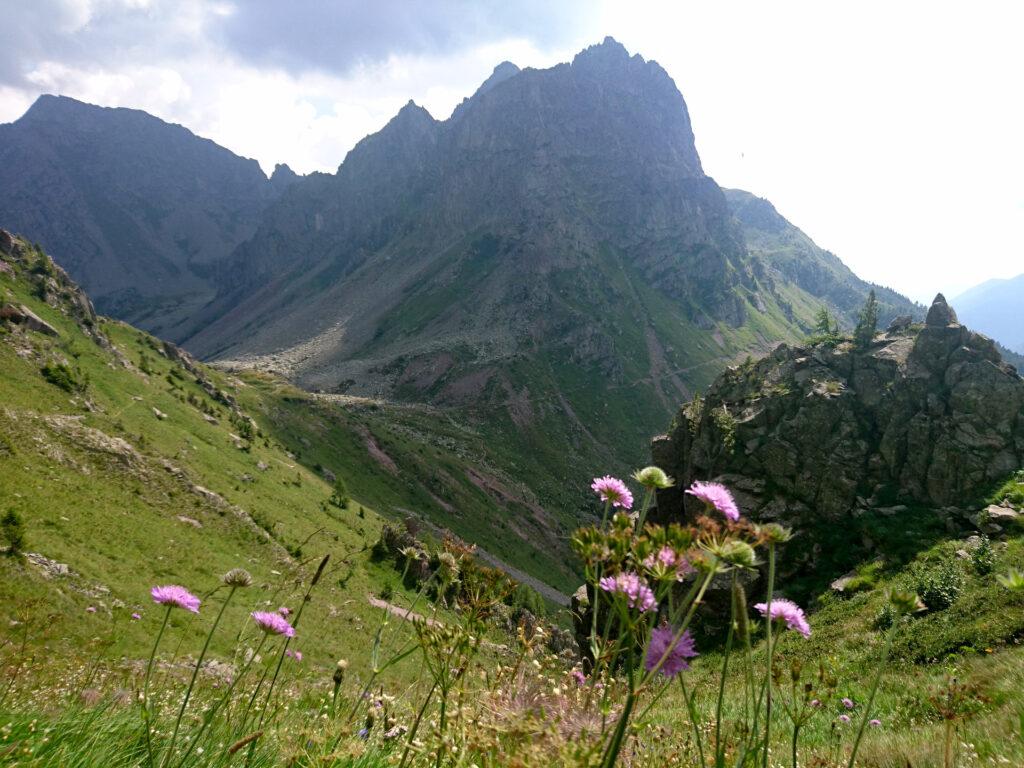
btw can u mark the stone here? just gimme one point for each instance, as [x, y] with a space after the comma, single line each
[189, 521]
[159, 414]
[940, 314]
[901, 323]
[22, 315]
[6, 242]
[998, 514]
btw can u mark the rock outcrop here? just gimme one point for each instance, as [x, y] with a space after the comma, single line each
[928, 416]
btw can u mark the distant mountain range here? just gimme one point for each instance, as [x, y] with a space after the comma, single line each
[138, 210]
[551, 261]
[996, 307]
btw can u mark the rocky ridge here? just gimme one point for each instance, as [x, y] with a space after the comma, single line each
[929, 416]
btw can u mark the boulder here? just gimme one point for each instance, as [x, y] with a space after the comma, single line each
[899, 324]
[940, 314]
[22, 315]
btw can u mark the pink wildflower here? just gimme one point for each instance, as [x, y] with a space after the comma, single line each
[790, 612]
[716, 495]
[844, 718]
[284, 610]
[273, 623]
[848, 703]
[875, 723]
[179, 597]
[816, 703]
[91, 609]
[611, 489]
[136, 616]
[666, 560]
[579, 677]
[675, 654]
[637, 593]
[297, 655]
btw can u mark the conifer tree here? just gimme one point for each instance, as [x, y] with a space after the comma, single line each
[867, 323]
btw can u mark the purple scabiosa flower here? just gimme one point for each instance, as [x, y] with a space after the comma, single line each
[579, 677]
[637, 593]
[875, 723]
[788, 611]
[611, 489]
[173, 595]
[675, 655]
[284, 610]
[297, 655]
[273, 623]
[364, 733]
[136, 616]
[848, 703]
[718, 496]
[844, 718]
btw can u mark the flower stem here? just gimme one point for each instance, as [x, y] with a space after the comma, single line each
[212, 712]
[874, 690]
[692, 709]
[771, 653]
[146, 714]
[195, 673]
[719, 746]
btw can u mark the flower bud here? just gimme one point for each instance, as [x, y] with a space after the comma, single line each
[237, 577]
[653, 478]
[738, 553]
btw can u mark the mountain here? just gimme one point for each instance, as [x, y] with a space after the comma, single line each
[797, 259]
[994, 307]
[550, 267]
[551, 260]
[138, 210]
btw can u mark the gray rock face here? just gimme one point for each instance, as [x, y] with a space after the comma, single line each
[927, 416]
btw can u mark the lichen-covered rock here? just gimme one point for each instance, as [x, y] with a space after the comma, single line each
[928, 416]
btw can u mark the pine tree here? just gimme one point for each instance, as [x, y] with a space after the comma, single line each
[340, 497]
[867, 323]
[826, 328]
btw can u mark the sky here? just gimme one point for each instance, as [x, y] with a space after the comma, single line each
[890, 132]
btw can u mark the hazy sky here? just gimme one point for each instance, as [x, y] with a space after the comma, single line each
[890, 132]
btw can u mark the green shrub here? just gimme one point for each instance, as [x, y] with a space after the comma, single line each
[984, 557]
[62, 376]
[940, 586]
[12, 528]
[340, 496]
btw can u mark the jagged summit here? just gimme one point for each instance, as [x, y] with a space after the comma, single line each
[501, 73]
[608, 51]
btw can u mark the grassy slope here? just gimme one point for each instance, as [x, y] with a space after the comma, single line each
[581, 421]
[111, 513]
[114, 521]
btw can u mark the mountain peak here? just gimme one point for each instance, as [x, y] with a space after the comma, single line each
[501, 73]
[608, 51]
